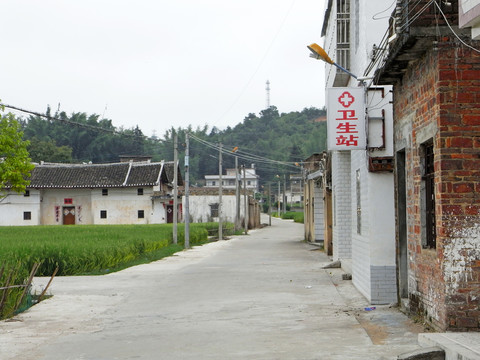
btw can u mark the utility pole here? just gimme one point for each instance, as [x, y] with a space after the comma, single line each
[245, 198]
[187, 193]
[220, 191]
[175, 186]
[269, 204]
[284, 194]
[279, 209]
[237, 195]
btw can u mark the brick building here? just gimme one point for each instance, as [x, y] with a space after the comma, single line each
[435, 68]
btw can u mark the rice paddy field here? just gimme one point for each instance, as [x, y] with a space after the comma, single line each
[84, 249]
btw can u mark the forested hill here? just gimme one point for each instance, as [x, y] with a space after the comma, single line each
[287, 137]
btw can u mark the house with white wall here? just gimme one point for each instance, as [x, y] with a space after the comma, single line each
[204, 205]
[250, 176]
[363, 227]
[314, 200]
[118, 193]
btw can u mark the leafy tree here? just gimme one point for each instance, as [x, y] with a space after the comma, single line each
[15, 165]
[41, 150]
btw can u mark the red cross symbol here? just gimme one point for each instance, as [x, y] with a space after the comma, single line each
[346, 99]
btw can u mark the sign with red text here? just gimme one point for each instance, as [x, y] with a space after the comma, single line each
[346, 119]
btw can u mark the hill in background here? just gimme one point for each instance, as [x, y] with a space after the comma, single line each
[286, 137]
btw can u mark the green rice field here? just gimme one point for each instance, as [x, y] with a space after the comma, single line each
[85, 249]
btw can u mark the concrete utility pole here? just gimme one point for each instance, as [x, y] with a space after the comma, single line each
[237, 195]
[269, 204]
[284, 193]
[279, 209]
[245, 198]
[175, 187]
[186, 206]
[220, 191]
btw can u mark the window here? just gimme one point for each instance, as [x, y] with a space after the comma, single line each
[213, 183]
[27, 193]
[428, 197]
[214, 210]
[140, 191]
[359, 204]
[104, 192]
[141, 214]
[343, 34]
[27, 215]
[249, 182]
[103, 214]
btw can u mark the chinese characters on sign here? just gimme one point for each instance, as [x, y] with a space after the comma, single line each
[346, 119]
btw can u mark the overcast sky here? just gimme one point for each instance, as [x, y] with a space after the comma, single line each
[157, 63]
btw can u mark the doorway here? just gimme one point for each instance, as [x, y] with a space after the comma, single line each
[169, 214]
[69, 215]
[402, 225]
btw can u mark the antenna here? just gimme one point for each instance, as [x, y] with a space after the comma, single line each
[267, 88]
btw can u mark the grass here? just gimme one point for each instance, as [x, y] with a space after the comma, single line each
[87, 249]
[296, 216]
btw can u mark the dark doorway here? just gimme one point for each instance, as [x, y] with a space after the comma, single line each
[69, 215]
[169, 214]
[402, 225]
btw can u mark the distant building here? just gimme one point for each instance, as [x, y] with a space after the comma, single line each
[228, 180]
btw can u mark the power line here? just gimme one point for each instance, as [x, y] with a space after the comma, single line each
[244, 155]
[86, 126]
[453, 31]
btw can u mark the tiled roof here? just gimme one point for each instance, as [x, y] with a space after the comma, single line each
[96, 175]
[147, 174]
[168, 172]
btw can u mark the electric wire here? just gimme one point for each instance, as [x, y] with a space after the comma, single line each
[267, 51]
[244, 155]
[85, 126]
[453, 31]
[383, 11]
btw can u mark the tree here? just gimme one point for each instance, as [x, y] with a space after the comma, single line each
[15, 164]
[47, 151]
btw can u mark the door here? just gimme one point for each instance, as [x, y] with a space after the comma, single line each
[69, 215]
[169, 214]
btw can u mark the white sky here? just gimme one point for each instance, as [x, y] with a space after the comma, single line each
[157, 63]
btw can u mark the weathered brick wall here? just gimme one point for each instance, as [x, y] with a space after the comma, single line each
[458, 190]
[438, 99]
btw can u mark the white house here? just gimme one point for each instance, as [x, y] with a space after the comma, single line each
[119, 193]
[362, 180]
[228, 180]
[204, 205]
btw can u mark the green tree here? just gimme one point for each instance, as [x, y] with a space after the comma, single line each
[15, 164]
[47, 151]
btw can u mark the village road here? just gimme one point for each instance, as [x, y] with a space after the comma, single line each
[261, 296]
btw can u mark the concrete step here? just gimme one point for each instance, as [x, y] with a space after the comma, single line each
[464, 346]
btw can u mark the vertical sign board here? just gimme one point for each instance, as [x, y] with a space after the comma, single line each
[346, 119]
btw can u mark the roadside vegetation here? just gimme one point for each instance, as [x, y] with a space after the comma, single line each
[296, 216]
[84, 250]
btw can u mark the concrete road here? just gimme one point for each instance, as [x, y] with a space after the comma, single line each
[261, 296]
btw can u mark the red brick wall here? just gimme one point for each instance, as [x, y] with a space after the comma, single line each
[459, 186]
[439, 97]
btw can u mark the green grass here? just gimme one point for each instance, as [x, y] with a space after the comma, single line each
[87, 249]
[80, 249]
